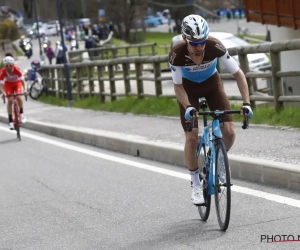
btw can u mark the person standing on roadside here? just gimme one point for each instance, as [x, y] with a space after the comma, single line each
[50, 53]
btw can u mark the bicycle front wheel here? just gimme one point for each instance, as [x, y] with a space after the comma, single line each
[17, 122]
[222, 185]
[204, 210]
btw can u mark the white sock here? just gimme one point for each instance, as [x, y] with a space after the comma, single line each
[195, 177]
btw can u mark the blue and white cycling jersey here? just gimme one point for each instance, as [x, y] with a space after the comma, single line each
[182, 66]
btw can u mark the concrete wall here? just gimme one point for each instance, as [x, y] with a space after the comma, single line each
[290, 59]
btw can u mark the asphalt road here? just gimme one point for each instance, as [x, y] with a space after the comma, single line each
[56, 194]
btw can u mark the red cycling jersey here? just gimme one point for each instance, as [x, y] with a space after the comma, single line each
[12, 82]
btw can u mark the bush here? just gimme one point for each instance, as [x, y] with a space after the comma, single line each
[9, 30]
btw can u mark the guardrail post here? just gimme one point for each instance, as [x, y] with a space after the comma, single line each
[126, 73]
[100, 70]
[277, 85]
[114, 53]
[153, 49]
[139, 81]
[61, 82]
[51, 83]
[139, 51]
[48, 75]
[243, 59]
[157, 74]
[91, 81]
[56, 74]
[112, 84]
[79, 82]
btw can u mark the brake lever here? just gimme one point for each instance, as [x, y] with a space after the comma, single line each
[190, 126]
[246, 120]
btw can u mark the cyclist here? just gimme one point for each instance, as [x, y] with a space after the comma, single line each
[33, 74]
[11, 79]
[193, 66]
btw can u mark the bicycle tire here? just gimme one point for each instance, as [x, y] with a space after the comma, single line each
[17, 123]
[222, 187]
[35, 90]
[204, 210]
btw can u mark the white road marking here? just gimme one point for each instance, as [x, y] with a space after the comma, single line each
[238, 189]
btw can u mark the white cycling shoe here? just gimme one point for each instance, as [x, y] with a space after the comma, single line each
[11, 126]
[197, 195]
[23, 118]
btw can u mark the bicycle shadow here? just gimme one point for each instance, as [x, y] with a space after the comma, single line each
[8, 141]
[179, 233]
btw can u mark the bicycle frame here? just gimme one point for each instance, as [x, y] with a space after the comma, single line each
[16, 113]
[209, 144]
[212, 130]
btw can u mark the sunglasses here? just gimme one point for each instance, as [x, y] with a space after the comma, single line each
[9, 65]
[196, 44]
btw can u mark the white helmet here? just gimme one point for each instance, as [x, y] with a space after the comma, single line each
[8, 60]
[194, 27]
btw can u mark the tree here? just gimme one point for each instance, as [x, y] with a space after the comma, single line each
[124, 13]
[28, 8]
[178, 9]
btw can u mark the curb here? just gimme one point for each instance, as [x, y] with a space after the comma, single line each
[267, 172]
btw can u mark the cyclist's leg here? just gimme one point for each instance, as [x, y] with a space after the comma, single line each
[228, 134]
[8, 88]
[217, 99]
[194, 92]
[191, 138]
[19, 90]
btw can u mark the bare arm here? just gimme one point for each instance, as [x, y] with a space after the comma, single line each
[1, 88]
[181, 95]
[242, 85]
[24, 85]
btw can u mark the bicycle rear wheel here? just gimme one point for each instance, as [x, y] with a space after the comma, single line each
[222, 185]
[204, 210]
[17, 122]
[35, 90]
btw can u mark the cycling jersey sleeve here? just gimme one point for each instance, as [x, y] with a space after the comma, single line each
[176, 74]
[229, 63]
[1, 77]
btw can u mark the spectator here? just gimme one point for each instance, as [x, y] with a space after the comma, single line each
[50, 53]
[228, 14]
[233, 13]
[240, 13]
[59, 53]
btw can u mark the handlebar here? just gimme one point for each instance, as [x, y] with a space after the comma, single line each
[217, 113]
[14, 95]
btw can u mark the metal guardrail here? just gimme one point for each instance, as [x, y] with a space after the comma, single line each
[87, 75]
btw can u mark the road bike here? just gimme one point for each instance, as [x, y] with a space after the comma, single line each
[213, 164]
[16, 113]
[36, 84]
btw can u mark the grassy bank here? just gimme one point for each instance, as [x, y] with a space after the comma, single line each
[168, 107]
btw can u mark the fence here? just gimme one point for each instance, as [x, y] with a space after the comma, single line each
[111, 52]
[87, 76]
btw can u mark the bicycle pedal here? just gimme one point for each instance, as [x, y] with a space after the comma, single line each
[201, 205]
